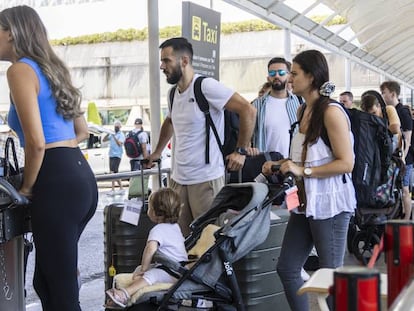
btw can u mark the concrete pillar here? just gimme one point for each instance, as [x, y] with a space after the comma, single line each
[154, 75]
[287, 45]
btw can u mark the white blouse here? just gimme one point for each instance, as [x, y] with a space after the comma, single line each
[325, 197]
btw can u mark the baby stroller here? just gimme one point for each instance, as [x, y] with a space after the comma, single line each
[367, 226]
[242, 213]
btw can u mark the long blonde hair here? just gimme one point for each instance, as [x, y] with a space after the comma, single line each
[30, 40]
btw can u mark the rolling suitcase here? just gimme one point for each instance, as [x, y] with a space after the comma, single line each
[124, 242]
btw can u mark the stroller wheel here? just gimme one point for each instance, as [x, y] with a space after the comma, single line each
[363, 246]
[352, 231]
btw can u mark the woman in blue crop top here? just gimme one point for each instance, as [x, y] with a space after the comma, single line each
[45, 113]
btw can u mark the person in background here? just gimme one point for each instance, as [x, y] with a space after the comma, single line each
[264, 89]
[144, 142]
[276, 110]
[116, 142]
[347, 99]
[46, 115]
[163, 209]
[370, 104]
[327, 202]
[196, 181]
[390, 91]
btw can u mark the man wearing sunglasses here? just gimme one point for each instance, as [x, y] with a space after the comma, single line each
[276, 110]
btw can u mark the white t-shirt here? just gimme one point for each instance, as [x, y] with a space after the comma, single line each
[277, 126]
[188, 161]
[170, 241]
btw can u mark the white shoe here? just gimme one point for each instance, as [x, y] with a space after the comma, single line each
[305, 276]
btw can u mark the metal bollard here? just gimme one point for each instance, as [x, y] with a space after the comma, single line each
[356, 289]
[399, 255]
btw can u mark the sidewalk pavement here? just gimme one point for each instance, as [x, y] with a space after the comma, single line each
[92, 297]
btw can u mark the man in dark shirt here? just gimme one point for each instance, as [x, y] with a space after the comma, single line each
[390, 90]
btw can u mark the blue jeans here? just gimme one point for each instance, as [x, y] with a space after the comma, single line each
[407, 175]
[329, 238]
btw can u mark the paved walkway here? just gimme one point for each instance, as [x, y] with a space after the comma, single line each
[92, 293]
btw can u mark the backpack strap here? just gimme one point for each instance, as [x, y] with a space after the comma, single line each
[300, 99]
[204, 107]
[295, 124]
[172, 93]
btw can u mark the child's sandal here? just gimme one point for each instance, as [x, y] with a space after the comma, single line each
[121, 300]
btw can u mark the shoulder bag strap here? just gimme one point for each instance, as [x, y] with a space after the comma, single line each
[7, 168]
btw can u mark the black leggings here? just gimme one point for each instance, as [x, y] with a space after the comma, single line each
[65, 197]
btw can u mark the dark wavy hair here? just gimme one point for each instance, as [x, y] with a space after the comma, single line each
[313, 62]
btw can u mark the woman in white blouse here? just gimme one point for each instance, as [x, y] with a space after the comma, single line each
[322, 160]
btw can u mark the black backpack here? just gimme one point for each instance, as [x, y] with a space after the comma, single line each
[133, 148]
[373, 151]
[231, 122]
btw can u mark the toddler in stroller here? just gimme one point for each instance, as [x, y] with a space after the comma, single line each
[367, 226]
[165, 237]
[240, 214]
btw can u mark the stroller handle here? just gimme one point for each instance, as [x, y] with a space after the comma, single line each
[14, 195]
[289, 179]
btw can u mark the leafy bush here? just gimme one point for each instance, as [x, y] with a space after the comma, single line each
[175, 31]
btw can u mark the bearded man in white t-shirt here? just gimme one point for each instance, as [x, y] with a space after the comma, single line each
[276, 110]
[196, 181]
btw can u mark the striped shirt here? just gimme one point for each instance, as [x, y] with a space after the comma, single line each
[259, 135]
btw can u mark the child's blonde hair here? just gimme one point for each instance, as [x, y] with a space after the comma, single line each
[166, 203]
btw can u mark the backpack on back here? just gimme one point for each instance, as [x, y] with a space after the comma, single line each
[231, 122]
[133, 148]
[373, 151]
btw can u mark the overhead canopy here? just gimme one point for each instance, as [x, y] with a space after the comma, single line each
[382, 30]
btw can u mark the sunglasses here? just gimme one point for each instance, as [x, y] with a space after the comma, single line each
[281, 72]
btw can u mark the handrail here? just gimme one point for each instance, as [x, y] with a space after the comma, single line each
[128, 175]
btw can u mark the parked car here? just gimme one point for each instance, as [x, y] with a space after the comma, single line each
[96, 152]
[97, 155]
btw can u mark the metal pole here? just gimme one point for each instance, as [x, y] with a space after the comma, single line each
[287, 44]
[154, 73]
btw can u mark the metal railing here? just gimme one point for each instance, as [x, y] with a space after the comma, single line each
[128, 175]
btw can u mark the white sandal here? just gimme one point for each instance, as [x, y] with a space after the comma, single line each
[116, 298]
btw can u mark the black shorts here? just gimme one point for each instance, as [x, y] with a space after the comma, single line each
[114, 164]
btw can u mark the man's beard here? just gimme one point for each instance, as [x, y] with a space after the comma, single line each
[279, 87]
[175, 75]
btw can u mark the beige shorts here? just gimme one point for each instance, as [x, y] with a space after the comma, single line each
[196, 200]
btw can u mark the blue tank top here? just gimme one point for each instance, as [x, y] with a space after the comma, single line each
[55, 127]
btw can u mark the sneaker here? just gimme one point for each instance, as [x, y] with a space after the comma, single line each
[305, 276]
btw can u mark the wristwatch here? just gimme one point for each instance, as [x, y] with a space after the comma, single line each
[307, 172]
[241, 150]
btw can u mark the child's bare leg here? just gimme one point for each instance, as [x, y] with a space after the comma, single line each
[136, 285]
